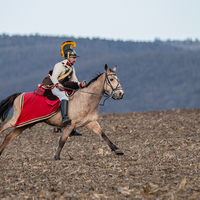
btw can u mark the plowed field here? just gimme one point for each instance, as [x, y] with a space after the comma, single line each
[161, 160]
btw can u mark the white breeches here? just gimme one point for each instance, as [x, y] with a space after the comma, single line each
[62, 95]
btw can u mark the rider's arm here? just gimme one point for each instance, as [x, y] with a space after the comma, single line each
[74, 78]
[58, 69]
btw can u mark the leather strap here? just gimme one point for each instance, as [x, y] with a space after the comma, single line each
[65, 75]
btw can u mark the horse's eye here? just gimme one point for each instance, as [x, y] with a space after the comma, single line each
[111, 79]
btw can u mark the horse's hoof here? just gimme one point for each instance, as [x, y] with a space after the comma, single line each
[56, 158]
[119, 152]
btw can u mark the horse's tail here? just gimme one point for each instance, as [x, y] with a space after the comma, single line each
[6, 105]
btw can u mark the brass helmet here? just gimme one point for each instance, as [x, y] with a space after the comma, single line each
[67, 51]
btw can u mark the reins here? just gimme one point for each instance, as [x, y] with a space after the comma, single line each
[106, 95]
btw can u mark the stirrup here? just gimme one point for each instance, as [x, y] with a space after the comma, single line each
[66, 121]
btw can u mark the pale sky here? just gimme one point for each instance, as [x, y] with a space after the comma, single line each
[136, 20]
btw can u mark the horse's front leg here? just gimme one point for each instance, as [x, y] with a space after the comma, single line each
[62, 140]
[95, 127]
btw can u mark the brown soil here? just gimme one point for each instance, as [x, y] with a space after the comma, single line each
[161, 160]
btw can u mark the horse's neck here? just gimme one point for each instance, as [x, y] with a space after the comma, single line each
[97, 86]
[94, 92]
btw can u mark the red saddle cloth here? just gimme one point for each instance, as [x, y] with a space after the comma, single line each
[35, 107]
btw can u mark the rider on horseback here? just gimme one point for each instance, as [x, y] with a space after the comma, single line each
[64, 71]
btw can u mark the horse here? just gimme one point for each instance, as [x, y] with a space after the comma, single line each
[83, 110]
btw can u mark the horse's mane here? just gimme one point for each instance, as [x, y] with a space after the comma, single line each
[96, 76]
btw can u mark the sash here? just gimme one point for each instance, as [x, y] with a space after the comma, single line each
[65, 77]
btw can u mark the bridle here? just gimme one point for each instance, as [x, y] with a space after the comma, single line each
[106, 81]
[107, 95]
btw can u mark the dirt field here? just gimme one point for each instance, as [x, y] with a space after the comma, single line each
[161, 160]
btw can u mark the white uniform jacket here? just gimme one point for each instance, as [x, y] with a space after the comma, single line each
[60, 69]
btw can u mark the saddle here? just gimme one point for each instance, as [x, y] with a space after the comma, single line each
[46, 86]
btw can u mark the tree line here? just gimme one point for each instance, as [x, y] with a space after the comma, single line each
[158, 75]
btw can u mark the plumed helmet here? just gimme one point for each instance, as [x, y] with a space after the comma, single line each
[67, 51]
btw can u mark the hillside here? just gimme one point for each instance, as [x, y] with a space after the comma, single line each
[155, 75]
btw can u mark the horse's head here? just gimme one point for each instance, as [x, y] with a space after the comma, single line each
[112, 84]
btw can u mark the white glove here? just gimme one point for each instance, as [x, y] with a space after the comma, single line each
[83, 84]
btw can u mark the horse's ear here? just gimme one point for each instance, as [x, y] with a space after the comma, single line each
[114, 69]
[106, 67]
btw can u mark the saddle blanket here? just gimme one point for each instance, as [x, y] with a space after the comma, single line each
[36, 108]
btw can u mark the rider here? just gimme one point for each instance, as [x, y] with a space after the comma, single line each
[64, 71]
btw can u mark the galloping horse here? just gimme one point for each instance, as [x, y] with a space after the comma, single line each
[83, 110]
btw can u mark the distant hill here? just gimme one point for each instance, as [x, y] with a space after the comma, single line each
[159, 75]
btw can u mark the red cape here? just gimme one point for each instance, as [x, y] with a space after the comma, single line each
[36, 108]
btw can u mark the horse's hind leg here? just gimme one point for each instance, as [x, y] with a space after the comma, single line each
[13, 120]
[94, 126]
[63, 138]
[4, 126]
[10, 137]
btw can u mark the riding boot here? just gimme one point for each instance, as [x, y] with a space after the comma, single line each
[64, 111]
[75, 133]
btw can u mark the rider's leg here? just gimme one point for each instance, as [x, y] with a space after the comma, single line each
[64, 111]
[63, 97]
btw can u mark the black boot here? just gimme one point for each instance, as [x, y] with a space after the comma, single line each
[64, 110]
[74, 133]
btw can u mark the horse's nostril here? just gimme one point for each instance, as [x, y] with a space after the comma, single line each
[121, 94]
